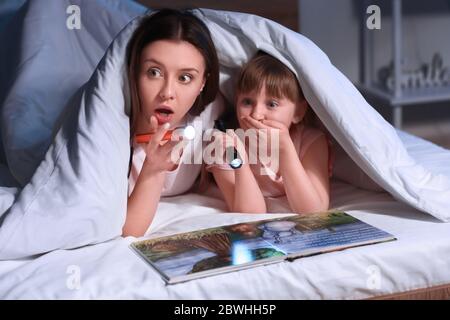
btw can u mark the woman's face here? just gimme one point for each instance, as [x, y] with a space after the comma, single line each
[171, 76]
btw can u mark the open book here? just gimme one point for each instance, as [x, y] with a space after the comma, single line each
[206, 252]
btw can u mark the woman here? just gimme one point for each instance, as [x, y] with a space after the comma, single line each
[173, 72]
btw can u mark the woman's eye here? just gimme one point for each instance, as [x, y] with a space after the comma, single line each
[185, 78]
[154, 72]
[272, 104]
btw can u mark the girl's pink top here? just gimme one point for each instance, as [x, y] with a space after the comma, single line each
[271, 183]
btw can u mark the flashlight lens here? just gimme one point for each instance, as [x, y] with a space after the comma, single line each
[189, 132]
[236, 163]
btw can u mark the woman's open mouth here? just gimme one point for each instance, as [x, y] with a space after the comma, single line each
[163, 114]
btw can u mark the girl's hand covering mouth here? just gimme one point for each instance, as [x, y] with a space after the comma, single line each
[265, 129]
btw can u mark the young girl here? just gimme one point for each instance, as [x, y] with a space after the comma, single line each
[173, 73]
[269, 97]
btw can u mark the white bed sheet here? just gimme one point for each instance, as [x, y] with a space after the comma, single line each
[419, 258]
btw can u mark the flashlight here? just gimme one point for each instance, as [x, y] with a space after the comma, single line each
[234, 160]
[188, 133]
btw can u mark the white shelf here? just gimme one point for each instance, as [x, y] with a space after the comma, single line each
[398, 97]
[408, 96]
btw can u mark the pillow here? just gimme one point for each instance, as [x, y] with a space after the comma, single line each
[78, 194]
[43, 66]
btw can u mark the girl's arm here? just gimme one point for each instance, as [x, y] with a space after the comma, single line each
[240, 189]
[239, 186]
[306, 182]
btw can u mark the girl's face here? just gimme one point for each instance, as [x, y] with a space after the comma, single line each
[171, 76]
[260, 106]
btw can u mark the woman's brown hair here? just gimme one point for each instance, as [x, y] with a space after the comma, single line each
[171, 24]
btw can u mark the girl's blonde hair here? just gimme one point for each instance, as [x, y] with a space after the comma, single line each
[278, 79]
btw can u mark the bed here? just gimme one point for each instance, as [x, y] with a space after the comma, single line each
[111, 270]
[92, 260]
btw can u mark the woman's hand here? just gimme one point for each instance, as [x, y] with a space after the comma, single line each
[161, 155]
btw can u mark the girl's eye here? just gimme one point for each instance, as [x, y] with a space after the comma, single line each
[154, 72]
[246, 102]
[272, 104]
[185, 78]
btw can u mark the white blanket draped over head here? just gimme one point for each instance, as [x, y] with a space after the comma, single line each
[77, 195]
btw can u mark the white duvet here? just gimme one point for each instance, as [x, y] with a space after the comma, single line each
[77, 195]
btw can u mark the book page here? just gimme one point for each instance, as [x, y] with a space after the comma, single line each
[237, 246]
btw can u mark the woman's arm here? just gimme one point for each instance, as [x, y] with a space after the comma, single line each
[142, 204]
[306, 182]
[240, 189]
[144, 199]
